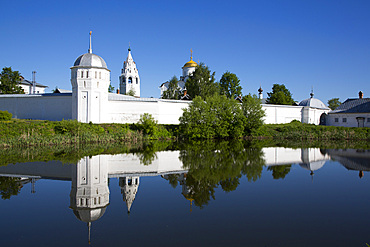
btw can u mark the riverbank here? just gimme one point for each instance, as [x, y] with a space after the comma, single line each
[22, 133]
[300, 131]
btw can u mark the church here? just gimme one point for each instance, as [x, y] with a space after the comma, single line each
[90, 100]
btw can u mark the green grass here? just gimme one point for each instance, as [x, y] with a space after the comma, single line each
[38, 133]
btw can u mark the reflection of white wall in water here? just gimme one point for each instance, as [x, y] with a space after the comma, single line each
[283, 156]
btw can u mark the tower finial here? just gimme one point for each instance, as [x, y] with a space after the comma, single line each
[311, 94]
[90, 47]
[191, 54]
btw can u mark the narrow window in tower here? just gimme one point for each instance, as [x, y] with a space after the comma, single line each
[99, 75]
[82, 74]
[129, 80]
[87, 74]
[85, 84]
[96, 74]
[97, 84]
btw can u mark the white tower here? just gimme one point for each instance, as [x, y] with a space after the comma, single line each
[90, 79]
[129, 187]
[129, 79]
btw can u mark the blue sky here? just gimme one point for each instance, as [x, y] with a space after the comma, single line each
[324, 44]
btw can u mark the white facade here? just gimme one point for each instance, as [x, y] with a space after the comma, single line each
[129, 79]
[348, 119]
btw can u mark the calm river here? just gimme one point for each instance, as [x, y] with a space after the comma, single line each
[202, 194]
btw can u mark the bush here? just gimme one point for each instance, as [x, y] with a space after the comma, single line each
[5, 115]
[150, 127]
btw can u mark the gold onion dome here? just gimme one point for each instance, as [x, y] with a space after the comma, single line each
[191, 63]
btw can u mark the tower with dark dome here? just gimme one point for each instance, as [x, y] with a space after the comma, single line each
[90, 79]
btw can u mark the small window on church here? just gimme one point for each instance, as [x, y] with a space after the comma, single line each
[368, 120]
[84, 83]
[96, 74]
[94, 201]
[137, 80]
[336, 120]
[99, 75]
[129, 80]
[87, 74]
[97, 84]
[82, 74]
[129, 181]
[344, 120]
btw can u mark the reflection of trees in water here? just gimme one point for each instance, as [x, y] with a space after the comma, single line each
[213, 164]
[279, 171]
[9, 187]
[147, 152]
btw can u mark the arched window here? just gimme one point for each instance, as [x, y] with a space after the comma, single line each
[129, 80]
[124, 80]
[99, 75]
[96, 74]
[97, 84]
[87, 74]
[82, 74]
[84, 83]
[137, 80]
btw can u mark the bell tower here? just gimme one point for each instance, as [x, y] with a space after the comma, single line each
[129, 80]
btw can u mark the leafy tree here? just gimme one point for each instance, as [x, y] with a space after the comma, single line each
[131, 92]
[173, 90]
[9, 187]
[9, 81]
[253, 112]
[215, 117]
[230, 85]
[279, 171]
[150, 127]
[111, 89]
[334, 103]
[280, 95]
[201, 82]
[54, 90]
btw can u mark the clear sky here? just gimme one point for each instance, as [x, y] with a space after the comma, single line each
[300, 43]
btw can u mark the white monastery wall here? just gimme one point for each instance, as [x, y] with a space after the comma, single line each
[281, 113]
[43, 107]
[129, 111]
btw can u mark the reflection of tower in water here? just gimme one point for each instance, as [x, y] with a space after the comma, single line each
[129, 187]
[90, 193]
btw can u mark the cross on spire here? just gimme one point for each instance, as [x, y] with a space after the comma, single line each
[90, 47]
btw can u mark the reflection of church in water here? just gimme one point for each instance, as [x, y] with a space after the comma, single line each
[89, 196]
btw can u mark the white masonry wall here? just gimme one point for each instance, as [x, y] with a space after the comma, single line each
[281, 113]
[129, 111]
[53, 107]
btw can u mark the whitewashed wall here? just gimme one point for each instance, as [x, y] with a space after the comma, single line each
[281, 113]
[129, 111]
[54, 107]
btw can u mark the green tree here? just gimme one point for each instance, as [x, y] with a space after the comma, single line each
[9, 81]
[279, 171]
[9, 187]
[230, 85]
[280, 95]
[253, 112]
[173, 90]
[215, 117]
[201, 82]
[131, 92]
[110, 88]
[334, 103]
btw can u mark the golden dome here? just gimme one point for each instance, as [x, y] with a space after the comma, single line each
[191, 63]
